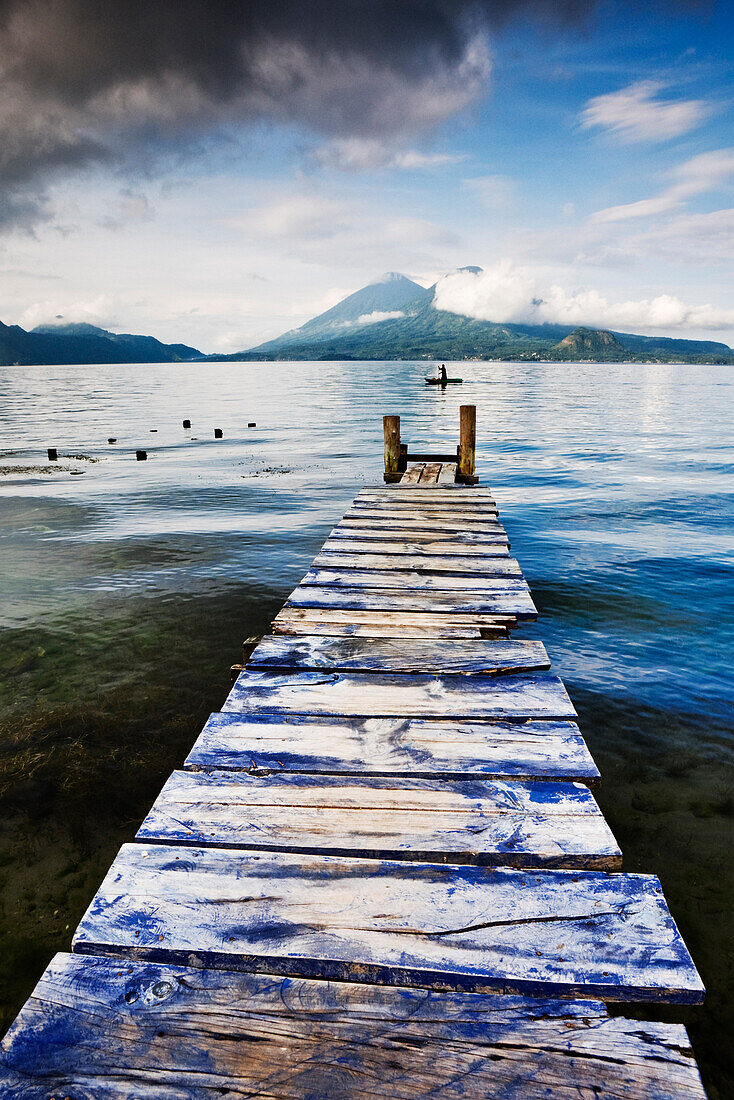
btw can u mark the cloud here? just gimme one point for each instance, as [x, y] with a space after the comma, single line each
[510, 294]
[377, 316]
[703, 173]
[130, 208]
[492, 191]
[96, 311]
[316, 227]
[636, 114]
[111, 83]
[368, 154]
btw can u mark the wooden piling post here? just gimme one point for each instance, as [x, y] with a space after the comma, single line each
[467, 444]
[391, 429]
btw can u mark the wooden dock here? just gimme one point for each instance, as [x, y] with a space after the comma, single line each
[382, 870]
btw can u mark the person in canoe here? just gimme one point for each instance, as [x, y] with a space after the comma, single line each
[442, 375]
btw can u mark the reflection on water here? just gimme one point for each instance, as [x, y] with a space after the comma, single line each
[127, 587]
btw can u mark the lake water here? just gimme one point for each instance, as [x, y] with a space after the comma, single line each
[127, 588]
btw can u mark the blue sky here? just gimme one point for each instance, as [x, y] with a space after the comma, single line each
[585, 160]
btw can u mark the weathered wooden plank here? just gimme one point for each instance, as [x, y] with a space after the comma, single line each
[448, 474]
[136, 1031]
[440, 550]
[413, 474]
[416, 747]
[402, 695]
[374, 628]
[569, 933]
[318, 620]
[445, 494]
[448, 519]
[516, 603]
[443, 519]
[429, 655]
[484, 823]
[426, 502]
[452, 540]
[408, 579]
[494, 565]
[430, 473]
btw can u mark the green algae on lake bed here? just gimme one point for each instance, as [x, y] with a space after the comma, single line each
[94, 714]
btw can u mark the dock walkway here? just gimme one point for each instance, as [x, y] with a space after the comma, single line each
[382, 870]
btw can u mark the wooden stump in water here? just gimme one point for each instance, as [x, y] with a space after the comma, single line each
[467, 444]
[391, 430]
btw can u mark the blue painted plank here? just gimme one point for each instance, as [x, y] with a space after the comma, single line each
[514, 602]
[529, 695]
[416, 655]
[539, 933]
[406, 580]
[305, 744]
[419, 534]
[500, 823]
[146, 1031]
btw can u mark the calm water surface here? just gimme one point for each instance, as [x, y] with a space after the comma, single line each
[126, 588]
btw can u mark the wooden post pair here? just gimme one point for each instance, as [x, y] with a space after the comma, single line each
[397, 454]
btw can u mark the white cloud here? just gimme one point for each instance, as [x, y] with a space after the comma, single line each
[96, 311]
[700, 174]
[636, 113]
[492, 191]
[506, 293]
[318, 227]
[376, 316]
[369, 154]
[129, 208]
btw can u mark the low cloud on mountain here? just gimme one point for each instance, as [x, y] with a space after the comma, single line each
[511, 294]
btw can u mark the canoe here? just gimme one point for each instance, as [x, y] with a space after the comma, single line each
[444, 382]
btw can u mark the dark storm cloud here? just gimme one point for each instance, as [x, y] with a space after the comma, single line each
[86, 80]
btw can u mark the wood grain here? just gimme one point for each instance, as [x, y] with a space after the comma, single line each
[497, 564]
[313, 620]
[531, 695]
[456, 494]
[150, 1031]
[517, 604]
[542, 933]
[444, 550]
[413, 474]
[428, 655]
[451, 539]
[442, 519]
[408, 579]
[414, 747]
[484, 823]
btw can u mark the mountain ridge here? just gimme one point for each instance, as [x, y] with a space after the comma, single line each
[81, 343]
[410, 327]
